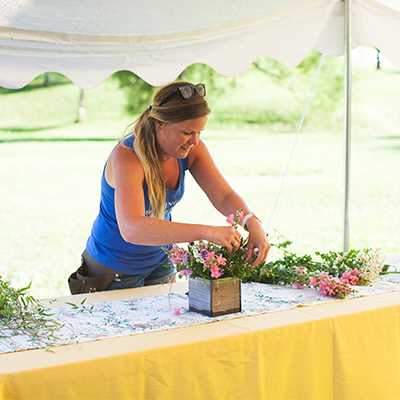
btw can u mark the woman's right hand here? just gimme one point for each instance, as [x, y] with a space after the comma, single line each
[226, 236]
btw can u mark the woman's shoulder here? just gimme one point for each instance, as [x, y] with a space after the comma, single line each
[124, 163]
[124, 154]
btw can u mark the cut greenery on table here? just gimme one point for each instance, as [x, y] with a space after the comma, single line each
[21, 313]
[333, 274]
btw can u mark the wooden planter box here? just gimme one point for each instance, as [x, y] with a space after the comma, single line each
[217, 297]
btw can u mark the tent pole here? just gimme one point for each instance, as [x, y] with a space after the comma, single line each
[347, 118]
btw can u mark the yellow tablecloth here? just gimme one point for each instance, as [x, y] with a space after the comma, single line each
[349, 349]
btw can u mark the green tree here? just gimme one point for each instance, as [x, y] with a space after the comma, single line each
[327, 97]
[296, 82]
[139, 93]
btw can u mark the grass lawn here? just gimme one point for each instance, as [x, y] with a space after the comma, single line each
[51, 167]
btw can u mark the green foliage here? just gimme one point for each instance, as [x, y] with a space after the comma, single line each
[292, 268]
[138, 92]
[326, 101]
[23, 314]
[331, 264]
[277, 72]
[285, 270]
[81, 308]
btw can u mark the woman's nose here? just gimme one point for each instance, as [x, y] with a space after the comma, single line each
[195, 137]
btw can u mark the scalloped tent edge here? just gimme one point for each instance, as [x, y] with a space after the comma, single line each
[87, 41]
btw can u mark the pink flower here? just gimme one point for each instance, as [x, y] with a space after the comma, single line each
[177, 311]
[210, 256]
[215, 271]
[351, 277]
[330, 286]
[231, 219]
[178, 255]
[221, 260]
[186, 272]
[313, 282]
[299, 271]
[241, 216]
[297, 285]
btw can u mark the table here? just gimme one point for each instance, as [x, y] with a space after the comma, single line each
[348, 349]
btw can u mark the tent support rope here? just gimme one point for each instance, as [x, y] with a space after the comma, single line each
[295, 141]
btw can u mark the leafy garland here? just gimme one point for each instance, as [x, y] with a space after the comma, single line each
[333, 275]
[21, 313]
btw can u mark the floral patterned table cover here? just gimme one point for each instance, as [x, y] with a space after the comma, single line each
[113, 319]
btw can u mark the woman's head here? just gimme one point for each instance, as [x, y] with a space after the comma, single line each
[170, 106]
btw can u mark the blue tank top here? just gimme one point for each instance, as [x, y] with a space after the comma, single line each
[106, 244]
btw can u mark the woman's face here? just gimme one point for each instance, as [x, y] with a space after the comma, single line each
[177, 140]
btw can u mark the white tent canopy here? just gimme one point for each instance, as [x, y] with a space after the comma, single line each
[88, 40]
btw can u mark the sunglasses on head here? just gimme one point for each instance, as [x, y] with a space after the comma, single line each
[187, 92]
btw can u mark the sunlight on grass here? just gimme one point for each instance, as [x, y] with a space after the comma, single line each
[51, 168]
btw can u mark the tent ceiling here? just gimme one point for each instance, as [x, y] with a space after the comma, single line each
[88, 40]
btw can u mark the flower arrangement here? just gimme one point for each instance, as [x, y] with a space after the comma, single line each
[210, 261]
[333, 275]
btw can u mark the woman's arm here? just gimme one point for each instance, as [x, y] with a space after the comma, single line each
[225, 199]
[125, 174]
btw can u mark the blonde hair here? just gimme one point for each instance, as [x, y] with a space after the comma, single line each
[145, 145]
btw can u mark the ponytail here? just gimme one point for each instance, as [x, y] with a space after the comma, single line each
[145, 148]
[176, 110]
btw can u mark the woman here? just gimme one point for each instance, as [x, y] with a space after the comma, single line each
[144, 178]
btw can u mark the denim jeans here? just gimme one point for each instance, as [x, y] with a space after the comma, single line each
[157, 276]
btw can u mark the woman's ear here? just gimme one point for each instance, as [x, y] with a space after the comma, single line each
[159, 126]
